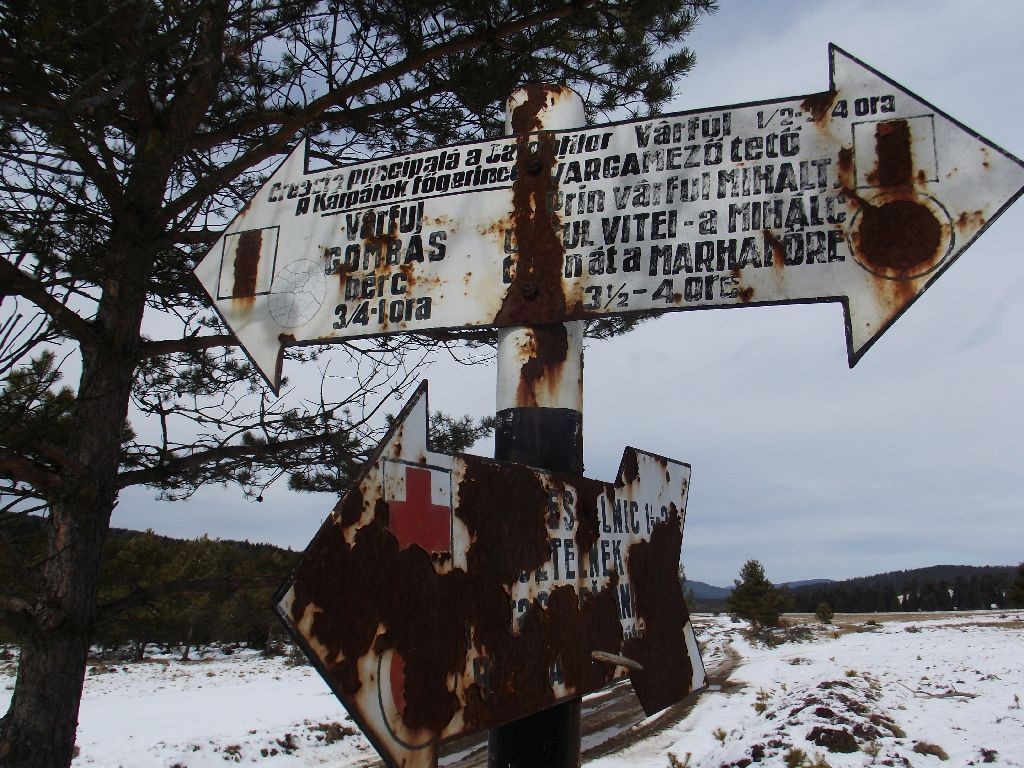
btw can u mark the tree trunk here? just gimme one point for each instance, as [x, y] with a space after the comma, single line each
[39, 728]
[44, 709]
[188, 639]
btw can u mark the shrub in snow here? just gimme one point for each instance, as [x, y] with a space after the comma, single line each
[927, 748]
[762, 701]
[872, 749]
[824, 613]
[833, 739]
[795, 758]
[332, 732]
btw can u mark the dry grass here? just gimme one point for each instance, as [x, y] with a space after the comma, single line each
[927, 748]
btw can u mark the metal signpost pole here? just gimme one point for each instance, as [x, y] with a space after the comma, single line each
[539, 413]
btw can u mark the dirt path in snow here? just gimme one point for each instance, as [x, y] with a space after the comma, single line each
[611, 722]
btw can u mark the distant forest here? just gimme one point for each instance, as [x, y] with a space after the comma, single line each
[180, 594]
[175, 593]
[936, 588]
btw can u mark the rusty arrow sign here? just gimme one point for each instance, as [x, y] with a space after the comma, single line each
[446, 594]
[863, 194]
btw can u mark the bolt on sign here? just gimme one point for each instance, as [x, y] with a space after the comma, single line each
[863, 194]
[446, 595]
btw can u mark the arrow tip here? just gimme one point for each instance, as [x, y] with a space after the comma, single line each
[921, 188]
[410, 443]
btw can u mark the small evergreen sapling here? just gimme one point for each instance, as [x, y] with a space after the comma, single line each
[756, 599]
[824, 613]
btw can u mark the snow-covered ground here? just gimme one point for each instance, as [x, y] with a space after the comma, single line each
[896, 693]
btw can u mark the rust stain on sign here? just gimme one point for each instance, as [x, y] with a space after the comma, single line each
[536, 293]
[510, 543]
[526, 118]
[544, 570]
[587, 522]
[630, 469]
[507, 516]
[536, 289]
[819, 104]
[544, 364]
[898, 235]
[844, 166]
[895, 157]
[653, 567]
[970, 221]
[247, 262]
[775, 251]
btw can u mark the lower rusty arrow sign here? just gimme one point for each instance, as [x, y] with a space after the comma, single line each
[446, 595]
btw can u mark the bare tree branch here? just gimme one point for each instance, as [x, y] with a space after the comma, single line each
[197, 237]
[17, 282]
[179, 465]
[188, 344]
[275, 143]
[22, 470]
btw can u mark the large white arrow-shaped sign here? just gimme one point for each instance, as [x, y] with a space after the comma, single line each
[863, 194]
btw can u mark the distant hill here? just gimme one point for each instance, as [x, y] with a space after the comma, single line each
[711, 598]
[702, 591]
[934, 588]
[807, 583]
[174, 592]
[135, 561]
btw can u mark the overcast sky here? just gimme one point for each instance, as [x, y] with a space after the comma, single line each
[911, 459]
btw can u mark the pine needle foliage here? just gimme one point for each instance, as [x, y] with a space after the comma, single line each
[130, 131]
[754, 598]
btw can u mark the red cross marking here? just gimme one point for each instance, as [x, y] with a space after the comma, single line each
[416, 520]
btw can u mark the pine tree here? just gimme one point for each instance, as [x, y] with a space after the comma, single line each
[823, 613]
[129, 132]
[1015, 592]
[754, 598]
[688, 596]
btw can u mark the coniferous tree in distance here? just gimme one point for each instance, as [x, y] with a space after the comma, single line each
[688, 596]
[1015, 592]
[824, 613]
[754, 598]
